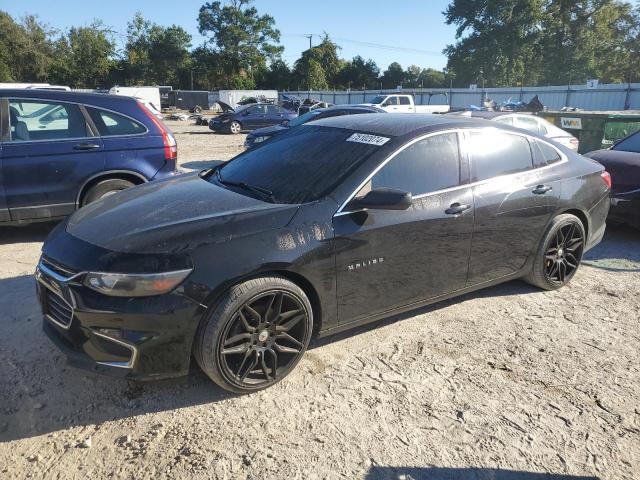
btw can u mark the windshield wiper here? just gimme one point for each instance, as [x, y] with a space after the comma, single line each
[246, 186]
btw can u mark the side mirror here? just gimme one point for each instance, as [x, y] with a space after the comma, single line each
[246, 114]
[285, 123]
[383, 199]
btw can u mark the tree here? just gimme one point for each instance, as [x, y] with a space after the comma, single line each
[359, 74]
[432, 78]
[155, 54]
[277, 76]
[412, 76]
[325, 58]
[498, 42]
[26, 51]
[242, 39]
[84, 58]
[393, 76]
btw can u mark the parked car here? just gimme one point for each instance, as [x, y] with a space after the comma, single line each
[404, 104]
[529, 122]
[260, 135]
[622, 160]
[250, 117]
[61, 150]
[337, 223]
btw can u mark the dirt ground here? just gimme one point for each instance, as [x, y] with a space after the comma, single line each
[507, 383]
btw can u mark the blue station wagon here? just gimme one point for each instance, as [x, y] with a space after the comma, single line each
[62, 150]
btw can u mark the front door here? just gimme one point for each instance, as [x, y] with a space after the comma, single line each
[50, 152]
[254, 117]
[387, 259]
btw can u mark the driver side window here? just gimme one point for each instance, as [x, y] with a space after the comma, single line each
[429, 165]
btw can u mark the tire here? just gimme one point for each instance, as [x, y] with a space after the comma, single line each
[243, 353]
[105, 188]
[235, 127]
[559, 254]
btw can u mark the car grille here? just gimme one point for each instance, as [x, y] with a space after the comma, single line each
[56, 267]
[56, 308]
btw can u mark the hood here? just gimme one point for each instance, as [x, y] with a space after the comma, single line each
[624, 168]
[174, 215]
[268, 131]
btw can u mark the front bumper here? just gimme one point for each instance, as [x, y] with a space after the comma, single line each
[219, 126]
[138, 338]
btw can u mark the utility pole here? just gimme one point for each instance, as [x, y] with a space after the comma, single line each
[310, 37]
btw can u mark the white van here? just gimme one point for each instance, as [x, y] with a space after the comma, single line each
[149, 96]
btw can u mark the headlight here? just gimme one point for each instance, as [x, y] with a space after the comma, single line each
[134, 285]
[260, 139]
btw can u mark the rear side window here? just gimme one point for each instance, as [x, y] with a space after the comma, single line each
[42, 120]
[505, 120]
[495, 153]
[404, 101]
[429, 165]
[109, 123]
[544, 154]
[630, 144]
[531, 124]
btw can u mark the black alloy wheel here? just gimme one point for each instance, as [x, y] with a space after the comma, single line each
[256, 335]
[559, 254]
[564, 253]
[264, 339]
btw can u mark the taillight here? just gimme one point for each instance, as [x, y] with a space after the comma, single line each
[574, 143]
[606, 178]
[169, 141]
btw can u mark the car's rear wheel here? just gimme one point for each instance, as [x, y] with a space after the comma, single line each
[235, 127]
[104, 189]
[559, 254]
[255, 335]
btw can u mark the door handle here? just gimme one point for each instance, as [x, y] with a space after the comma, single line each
[542, 189]
[86, 146]
[457, 209]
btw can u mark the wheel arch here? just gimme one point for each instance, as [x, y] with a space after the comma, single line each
[129, 175]
[301, 281]
[582, 216]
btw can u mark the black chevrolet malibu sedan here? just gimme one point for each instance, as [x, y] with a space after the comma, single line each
[334, 224]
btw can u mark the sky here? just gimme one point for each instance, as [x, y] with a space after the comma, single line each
[412, 33]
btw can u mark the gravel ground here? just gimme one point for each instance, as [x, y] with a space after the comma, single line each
[506, 383]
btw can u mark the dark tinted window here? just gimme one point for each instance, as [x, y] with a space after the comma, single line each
[426, 166]
[495, 153]
[109, 123]
[41, 120]
[274, 109]
[258, 110]
[299, 166]
[544, 154]
[630, 144]
[404, 101]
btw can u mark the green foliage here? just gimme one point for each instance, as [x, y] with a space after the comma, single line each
[515, 42]
[393, 76]
[242, 39]
[155, 55]
[359, 74]
[319, 65]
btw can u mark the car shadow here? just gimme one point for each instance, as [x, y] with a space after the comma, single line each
[471, 473]
[201, 164]
[34, 232]
[618, 252]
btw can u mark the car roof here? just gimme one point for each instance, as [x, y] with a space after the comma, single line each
[65, 96]
[400, 124]
[491, 115]
[355, 108]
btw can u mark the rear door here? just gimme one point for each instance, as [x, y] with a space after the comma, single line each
[275, 115]
[50, 151]
[514, 199]
[388, 258]
[406, 106]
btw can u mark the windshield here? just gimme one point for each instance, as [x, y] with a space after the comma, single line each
[307, 117]
[629, 144]
[299, 166]
[378, 99]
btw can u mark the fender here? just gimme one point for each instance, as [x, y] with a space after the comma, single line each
[106, 173]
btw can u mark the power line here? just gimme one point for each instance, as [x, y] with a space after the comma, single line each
[373, 44]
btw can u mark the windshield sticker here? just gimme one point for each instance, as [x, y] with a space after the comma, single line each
[368, 139]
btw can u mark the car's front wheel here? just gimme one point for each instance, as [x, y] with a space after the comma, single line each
[559, 254]
[235, 127]
[255, 335]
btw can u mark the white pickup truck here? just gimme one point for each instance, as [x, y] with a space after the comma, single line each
[396, 103]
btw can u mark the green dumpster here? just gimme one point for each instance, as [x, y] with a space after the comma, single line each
[595, 130]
